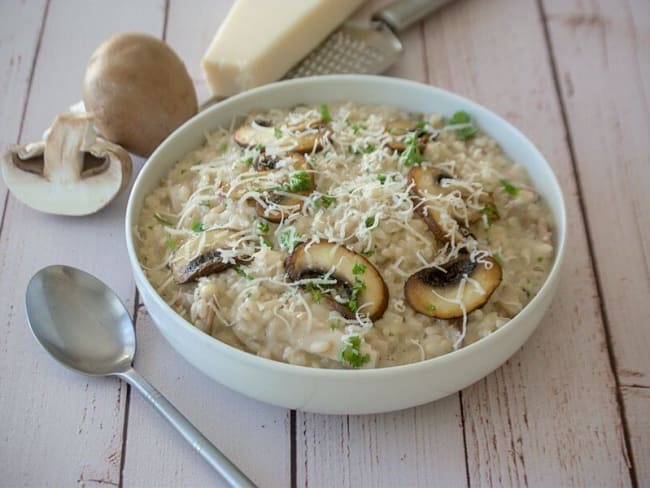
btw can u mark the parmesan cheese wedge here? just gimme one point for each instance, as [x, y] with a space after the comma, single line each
[259, 41]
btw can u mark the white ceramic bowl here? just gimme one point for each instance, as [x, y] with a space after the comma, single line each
[345, 391]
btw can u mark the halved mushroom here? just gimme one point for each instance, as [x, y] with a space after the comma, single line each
[463, 286]
[399, 128]
[300, 138]
[429, 182]
[202, 255]
[72, 172]
[290, 204]
[360, 285]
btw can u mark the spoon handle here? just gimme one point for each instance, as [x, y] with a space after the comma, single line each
[198, 441]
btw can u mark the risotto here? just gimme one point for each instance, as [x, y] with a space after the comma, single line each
[346, 236]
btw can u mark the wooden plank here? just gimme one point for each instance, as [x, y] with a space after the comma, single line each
[59, 428]
[253, 435]
[602, 52]
[20, 27]
[549, 417]
[636, 402]
[415, 447]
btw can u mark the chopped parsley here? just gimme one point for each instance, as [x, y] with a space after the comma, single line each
[162, 220]
[336, 324]
[358, 268]
[351, 150]
[381, 178]
[223, 147]
[325, 114]
[540, 259]
[263, 226]
[277, 133]
[197, 226]
[315, 292]
[509, 188]
[243, 273]
[267, 242]
[248, 161]
[357, 287]
[326, 201]
[368, 252]
[170, 243]
[490, 210]
[356, 129]
[370, 221]
[369, 148]
[411, 154]
[351, 354]
[289, 239]
[431, 307]
[462, 117]
[298, 181]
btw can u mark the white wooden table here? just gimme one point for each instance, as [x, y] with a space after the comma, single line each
[571, 408]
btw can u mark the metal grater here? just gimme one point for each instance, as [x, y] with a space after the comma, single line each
[365, 47]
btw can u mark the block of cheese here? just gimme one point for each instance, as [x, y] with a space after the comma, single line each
[260, 40]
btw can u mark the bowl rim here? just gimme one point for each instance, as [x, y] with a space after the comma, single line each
[340, 374]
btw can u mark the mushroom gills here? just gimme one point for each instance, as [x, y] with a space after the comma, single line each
[360, 283]
[460, 288]
[202, 255]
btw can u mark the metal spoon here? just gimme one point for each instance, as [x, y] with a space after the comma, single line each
[84, 325]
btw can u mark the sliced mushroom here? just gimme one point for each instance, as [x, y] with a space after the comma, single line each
[429, 182]
[300, 138]
[72, 172]
[202, 255]
[399, 128]
[438, 293]
[358, 279]
[290, 203]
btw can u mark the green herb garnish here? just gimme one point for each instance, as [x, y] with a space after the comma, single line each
[368, 253]
[335, 325]
[243, 273]
[431, 307]
[325, 114]
[509, 188]
[370, 221]
[170, 243]
[248, 161]
[263, 226]
[460, 117]
[327, 201]
[467, 133]
[277, 133]
[223, 147]
[298, 181]
[411, 154]
[267, 242]
[540, 259]
[162, 220]
[358, 268]
[351, 354]
[289, 239]
[315, 292]
[381, 178]
[357, 287]
[197, 226]
[369, 148]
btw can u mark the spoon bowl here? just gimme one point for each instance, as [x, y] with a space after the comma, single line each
[80, 321]
[83, 324]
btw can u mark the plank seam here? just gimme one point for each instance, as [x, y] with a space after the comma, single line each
[293, 461]
[462, 423]
[590, 246]
[30, 82]
[127, 403]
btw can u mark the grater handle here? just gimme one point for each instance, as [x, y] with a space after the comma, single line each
[404, 13]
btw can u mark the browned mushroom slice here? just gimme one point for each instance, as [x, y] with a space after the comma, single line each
[360, 284]
[429, 182]
[290, 205]
[438, 293]
[301, 139]
[201, 255]
[399, 128]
